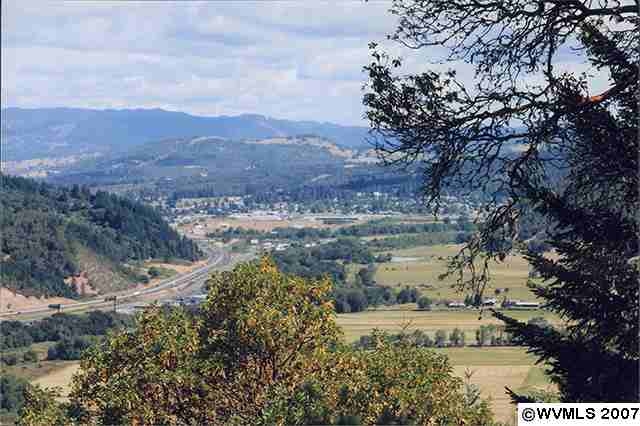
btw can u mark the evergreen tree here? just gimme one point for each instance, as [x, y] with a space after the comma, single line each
[551, 148]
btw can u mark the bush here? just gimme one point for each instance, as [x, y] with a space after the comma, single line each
[30, 356]
[10, 359]
[408, 295]
[12, 393]
[425, 303]
[154, 272]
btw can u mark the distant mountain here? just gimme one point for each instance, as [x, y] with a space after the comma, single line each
[54, 237]
[60, 132]
[231, 166]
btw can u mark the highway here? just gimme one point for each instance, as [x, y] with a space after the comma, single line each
[218, 259]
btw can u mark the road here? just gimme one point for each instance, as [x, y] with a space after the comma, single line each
[218, 259]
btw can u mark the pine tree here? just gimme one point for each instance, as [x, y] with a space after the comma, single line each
[549, 149]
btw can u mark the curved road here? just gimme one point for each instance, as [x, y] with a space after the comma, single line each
[216, 260]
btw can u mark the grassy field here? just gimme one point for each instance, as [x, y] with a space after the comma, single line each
[59, 376]
[422, 266]
[393, 320]
[494, 368]
[34, 371]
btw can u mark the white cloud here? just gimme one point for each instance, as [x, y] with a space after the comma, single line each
[296, 60]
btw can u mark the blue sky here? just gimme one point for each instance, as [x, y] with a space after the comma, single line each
[294, 60]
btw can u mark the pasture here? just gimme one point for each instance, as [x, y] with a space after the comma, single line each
[393, 320]
[422, 266]
[494, 368]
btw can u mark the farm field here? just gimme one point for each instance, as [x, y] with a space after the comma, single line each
[494, 368]
[421, 267]
[358, 324]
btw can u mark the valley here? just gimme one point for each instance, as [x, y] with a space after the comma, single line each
[332, 211]
[406, 212]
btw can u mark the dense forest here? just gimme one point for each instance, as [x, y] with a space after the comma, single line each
[329, 260]
[44, 226]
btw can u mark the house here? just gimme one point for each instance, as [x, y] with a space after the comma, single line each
[456, 305]
[530, 305]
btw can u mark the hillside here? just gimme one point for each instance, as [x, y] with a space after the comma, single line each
[49, 232]
[67, 132]
[212, 159]
[216, 167]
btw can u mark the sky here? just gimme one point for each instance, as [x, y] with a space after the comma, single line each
[299, 60]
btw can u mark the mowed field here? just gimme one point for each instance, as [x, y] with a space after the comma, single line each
[421, 267]
[393, 320]
[493, 368]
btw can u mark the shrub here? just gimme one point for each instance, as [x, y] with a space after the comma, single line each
[424, 303]
[30, 356]
[10, 359]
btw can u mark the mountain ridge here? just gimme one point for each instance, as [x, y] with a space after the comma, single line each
[29, 133]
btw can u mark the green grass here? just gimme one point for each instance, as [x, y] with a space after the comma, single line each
[430, 262]
[493, 368]
[393, 320]
[536, 378]
[489, 356]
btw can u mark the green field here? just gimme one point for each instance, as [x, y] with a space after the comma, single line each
[358, 324]
[423, 265]
[493, 368]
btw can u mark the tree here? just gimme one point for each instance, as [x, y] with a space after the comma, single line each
[486, 334]
[30, 356]
[154, 272]
[551, 149]
[425, 303]
[468, 300]
[263, 350]
[457, 337]
[11, 392]
[367, 275]
[441, 338]
[407, 295]
[41, 409]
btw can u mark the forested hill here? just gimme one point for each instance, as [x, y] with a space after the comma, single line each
[60, 132]
[45, 227]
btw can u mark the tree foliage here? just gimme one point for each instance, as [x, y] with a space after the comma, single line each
[265, 349]
[43, 226]
[551, 147]
[17, 334]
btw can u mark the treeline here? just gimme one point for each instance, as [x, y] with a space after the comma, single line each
[58, 327]
[485, 335]
[345, 187]
[44, 226]
[446, 230]
[322, 260]
[413, 240]
[330, 260]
